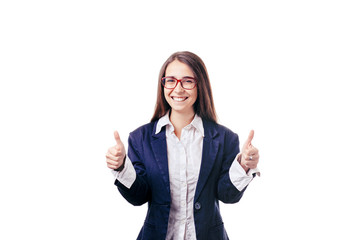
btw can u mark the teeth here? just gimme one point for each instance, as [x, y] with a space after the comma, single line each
[179, 99]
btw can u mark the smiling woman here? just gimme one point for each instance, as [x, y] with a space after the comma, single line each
[183, 162]
[181, 100]
[190, 65]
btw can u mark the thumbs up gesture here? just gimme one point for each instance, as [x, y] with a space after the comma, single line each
[249, 154]
[116, 155]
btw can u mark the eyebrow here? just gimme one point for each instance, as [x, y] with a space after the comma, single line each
[182, 77]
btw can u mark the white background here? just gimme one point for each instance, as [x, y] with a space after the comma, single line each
[74, 71]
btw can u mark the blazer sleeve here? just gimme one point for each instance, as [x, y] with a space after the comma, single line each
[226, 190]
[139, 192]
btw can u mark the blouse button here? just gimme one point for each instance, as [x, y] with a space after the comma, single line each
[197, 206]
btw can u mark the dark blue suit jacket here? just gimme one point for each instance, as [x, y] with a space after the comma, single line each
[148, 153]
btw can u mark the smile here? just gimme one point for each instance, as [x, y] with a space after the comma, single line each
[179, 99]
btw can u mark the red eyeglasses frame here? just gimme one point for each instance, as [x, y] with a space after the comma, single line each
[177, 81]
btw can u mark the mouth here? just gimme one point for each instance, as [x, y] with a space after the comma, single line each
[179, 99]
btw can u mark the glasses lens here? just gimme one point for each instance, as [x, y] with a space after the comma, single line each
[169, 82]
[188, 83]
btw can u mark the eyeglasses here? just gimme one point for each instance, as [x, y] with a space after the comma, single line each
[187, 83]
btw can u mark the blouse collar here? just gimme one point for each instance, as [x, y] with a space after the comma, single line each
[165, 120]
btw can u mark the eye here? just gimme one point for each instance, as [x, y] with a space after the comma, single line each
[188, 80]
[169, 80]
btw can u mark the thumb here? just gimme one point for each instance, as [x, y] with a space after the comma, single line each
[117, 138]
[249, 139]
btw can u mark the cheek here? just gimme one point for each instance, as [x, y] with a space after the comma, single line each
[194, 95]
[166, 94]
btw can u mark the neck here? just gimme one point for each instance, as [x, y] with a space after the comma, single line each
[181, 120]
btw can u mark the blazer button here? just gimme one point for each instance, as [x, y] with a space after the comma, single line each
[197, 206]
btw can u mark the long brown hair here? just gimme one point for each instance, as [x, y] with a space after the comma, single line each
[204, 105]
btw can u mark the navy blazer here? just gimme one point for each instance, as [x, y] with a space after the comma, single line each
[148, 154]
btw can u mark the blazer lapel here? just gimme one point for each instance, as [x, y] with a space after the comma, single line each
[159, 148]
[210, 150]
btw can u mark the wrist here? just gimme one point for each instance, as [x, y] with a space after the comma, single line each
[119, 169]
[246, 169]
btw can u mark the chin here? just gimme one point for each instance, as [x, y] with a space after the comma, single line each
[182, 109]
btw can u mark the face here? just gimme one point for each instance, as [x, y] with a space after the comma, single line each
[179, 99]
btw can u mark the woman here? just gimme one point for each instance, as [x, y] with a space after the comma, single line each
[182, 162]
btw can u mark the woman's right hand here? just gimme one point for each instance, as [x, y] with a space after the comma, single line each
[116, 155]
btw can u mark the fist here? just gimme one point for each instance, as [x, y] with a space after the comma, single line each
[249, 154]
[116, 155]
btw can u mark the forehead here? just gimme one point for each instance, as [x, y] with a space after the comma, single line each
[178, 69]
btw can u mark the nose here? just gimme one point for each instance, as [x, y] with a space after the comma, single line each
[178, 88]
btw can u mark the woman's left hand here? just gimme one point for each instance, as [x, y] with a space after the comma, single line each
[249, 154]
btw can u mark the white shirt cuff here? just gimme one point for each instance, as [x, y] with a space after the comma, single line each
[238, 176]
[126, 176]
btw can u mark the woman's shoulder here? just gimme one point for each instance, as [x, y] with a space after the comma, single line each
[146, 129]
[211, 126]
